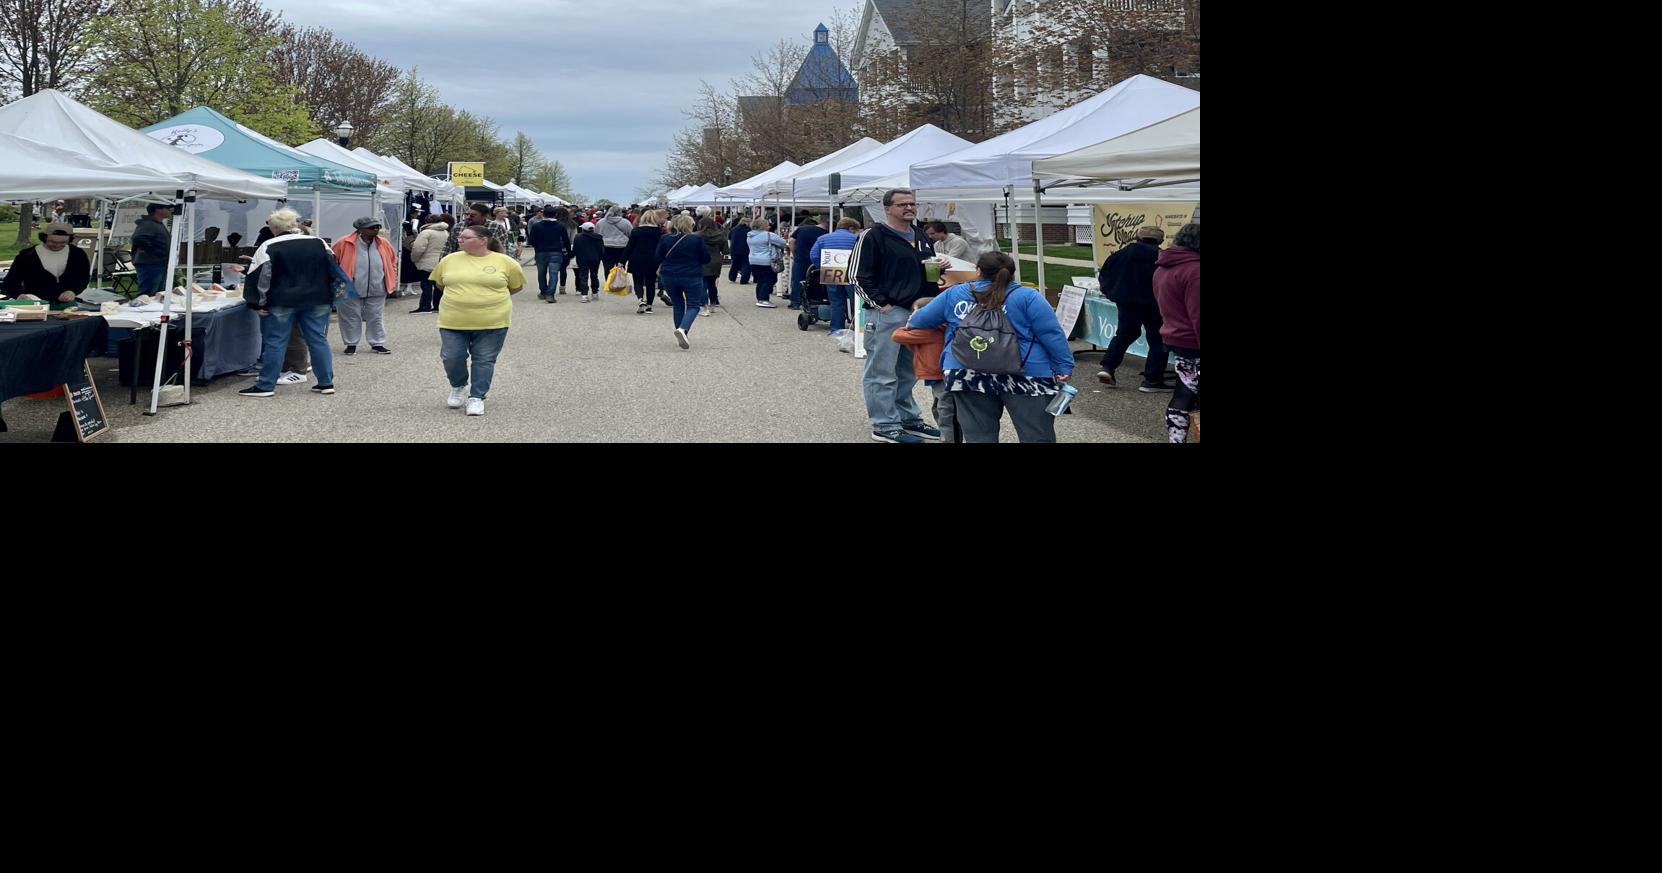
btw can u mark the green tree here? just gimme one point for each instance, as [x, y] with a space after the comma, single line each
[158, 58]
[526, 160]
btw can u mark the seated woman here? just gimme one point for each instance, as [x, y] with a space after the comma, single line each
[54, 271]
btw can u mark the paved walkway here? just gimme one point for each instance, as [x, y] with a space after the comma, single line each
[579, 372]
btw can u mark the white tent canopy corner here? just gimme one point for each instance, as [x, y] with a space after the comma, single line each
[1167, 149]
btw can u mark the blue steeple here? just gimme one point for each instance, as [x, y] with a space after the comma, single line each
[822, 76]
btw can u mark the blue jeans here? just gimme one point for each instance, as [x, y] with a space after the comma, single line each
[274, 338]
[840, 295]
[889, 377]
[151, 278]
[483, 345]
[687, 296]
[549, 263]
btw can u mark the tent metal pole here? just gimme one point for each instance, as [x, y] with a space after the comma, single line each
[190, 284]
[167, 299]
[1038, 233]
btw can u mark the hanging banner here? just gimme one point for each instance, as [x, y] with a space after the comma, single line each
[1114, 225]
[464, 174]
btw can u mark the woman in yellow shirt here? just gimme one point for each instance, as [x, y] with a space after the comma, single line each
[475, 313]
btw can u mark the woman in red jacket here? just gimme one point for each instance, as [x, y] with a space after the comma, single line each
[1177, 287]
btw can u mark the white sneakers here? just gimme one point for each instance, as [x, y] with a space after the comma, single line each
[458, 396]
[292, 379]
[475, 406]
[681, 339]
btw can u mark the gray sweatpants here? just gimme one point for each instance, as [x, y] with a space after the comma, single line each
[356, 312]
[946, 412]
[978, 415]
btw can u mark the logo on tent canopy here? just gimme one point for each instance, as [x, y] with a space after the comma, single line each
[193, 138]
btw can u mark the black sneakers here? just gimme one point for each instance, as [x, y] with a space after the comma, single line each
[1155, 387]
[323, 389]
[257, 392]
[350, 350]
[381, 350]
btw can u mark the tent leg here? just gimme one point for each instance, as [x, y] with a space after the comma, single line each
[98, 251]
[1038, 233]
[190, 285]
[167, 300]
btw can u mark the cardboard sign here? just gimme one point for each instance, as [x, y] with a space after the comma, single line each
[464, 174]
[86, 407]
[833, 266]
[1114, 225]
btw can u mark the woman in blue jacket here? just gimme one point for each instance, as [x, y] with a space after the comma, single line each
[683, 255]
[1047, 361]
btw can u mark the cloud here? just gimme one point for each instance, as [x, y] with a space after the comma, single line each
[599, 85]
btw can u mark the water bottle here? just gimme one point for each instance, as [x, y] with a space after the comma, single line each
[1059, 404]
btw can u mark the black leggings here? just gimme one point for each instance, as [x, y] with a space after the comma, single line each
[766, 279]
[710, 283]
[588, 279]
[741, 268]
[646, 286]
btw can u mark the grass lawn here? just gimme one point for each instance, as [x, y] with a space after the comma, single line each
[8, 241]
[1071, 252]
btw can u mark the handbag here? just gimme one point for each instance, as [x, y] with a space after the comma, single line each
[666, 257]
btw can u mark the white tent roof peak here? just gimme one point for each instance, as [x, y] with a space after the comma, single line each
[51, 118]
[925, 143]
[32, 171]
[1168, 149]
[1130, 105]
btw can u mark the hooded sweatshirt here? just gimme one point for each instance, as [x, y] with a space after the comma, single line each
[615, 232]
[1177, 286]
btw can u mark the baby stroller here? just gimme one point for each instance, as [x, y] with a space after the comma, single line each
[816, 303]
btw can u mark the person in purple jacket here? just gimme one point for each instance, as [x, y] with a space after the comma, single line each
[1177, 287]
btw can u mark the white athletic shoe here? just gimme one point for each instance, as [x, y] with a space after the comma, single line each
[681, 339]
[292, 379]
[475, 406]
[458, 396]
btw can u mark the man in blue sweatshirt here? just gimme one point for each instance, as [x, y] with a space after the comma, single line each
[550, 239]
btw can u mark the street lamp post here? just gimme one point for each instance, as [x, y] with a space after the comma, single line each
[344, 130]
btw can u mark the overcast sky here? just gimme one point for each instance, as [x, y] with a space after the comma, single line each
[611, 77]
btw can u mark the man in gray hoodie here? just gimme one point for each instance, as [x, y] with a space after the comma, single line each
[614, 232]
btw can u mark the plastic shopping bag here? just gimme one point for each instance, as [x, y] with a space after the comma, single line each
[617, 281]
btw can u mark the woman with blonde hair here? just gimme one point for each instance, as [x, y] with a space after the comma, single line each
[642, 258]
[683, 255]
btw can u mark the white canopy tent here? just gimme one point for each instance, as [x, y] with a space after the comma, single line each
[1169, 149]
[704, 195]
[1008, 160]
[670, 197]
[394, 175]
[523, 195]
[821, 168]
[755, 187]
[444, 191]
[32, 171]
[51, 118]
[329, 151]
[925, 143]
[555, 200]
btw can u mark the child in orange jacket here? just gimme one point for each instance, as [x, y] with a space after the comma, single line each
[927, 347]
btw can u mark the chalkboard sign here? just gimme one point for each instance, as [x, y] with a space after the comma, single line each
[86, 407]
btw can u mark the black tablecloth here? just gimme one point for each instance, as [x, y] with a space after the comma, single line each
[38, 356]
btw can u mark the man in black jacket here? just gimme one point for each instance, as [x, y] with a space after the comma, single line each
[54, 271]
[1127, 278]
[551, 241]
[892, 277]
[291, 281]
[151, 242]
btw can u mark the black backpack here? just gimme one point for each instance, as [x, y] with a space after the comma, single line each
[986, 343]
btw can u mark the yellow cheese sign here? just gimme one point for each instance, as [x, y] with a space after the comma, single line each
[467, 174]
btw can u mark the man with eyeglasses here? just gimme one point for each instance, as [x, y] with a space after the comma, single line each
[891, 275]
